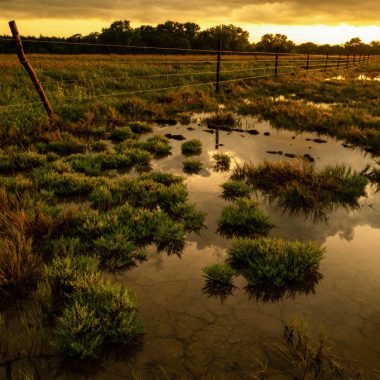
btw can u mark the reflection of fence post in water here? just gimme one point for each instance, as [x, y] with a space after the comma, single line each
[217, 138]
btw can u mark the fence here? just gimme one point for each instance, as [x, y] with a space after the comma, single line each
[137, 74]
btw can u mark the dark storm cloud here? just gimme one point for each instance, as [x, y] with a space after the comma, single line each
[150, 11]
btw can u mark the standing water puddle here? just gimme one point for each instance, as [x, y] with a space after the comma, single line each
[191, 333]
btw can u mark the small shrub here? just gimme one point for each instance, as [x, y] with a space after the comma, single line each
[191, 147]
[100, 314]
[117, 250]
[65, 183]
[68, 144]
[192, 166]
[243, 218]
[222, 120]
[222, 161]
[157, 145]
[186, 213]
[222, 274]
[121, 134]
[12, 160]
[274, 262]
[101, 198]
[235, 189]
[140, 127]
[99, 146]
[299, 187]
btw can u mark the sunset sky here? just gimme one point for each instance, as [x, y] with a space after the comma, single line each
[321, 21]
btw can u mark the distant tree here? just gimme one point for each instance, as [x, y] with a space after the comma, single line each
[354, 46]
[233, 38]
[270, 43]
[307, 47]
[119, 33]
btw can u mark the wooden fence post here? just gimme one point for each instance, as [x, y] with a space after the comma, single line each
[327, 59]
[338, 64]
[354, 61]
[348, 60]
[307, 60]
[28, 67]
[276, 62]
[218, 59]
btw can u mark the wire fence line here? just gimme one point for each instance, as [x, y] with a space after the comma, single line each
[173, 74]
[271, 65]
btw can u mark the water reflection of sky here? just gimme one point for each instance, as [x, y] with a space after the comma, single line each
[192, 333]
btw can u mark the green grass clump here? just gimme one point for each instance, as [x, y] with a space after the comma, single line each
[192, 166]
[116, 250]
[222, 162]
[121, 134]
[188, 214]
[13, 160]
[67, 144]
[139, 127]
[95, 313]
[157, 145]
[221, 274]
[243, 218]
[233, 189]
[299, 187]
[191, 147]
[96, 164]
[64, 183]
[99, 146]
[274, 262]
[222, 120]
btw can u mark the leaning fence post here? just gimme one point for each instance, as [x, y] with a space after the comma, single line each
[307, 60]
[28, 67]
[337, 66]
[327, 59]
[276, 62]
[218, 59]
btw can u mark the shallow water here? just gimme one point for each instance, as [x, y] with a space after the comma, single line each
[191, 333]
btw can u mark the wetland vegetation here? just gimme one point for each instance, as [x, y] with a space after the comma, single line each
[82, 200]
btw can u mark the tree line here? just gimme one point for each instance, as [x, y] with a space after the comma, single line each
[180, 36]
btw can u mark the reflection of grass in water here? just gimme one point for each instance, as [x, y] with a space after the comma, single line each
[243, 218]
[192, 166]
[222, 162]
[300, 188]
[268, 293]
[373, 175]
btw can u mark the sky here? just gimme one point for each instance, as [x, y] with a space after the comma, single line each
[320, 21]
